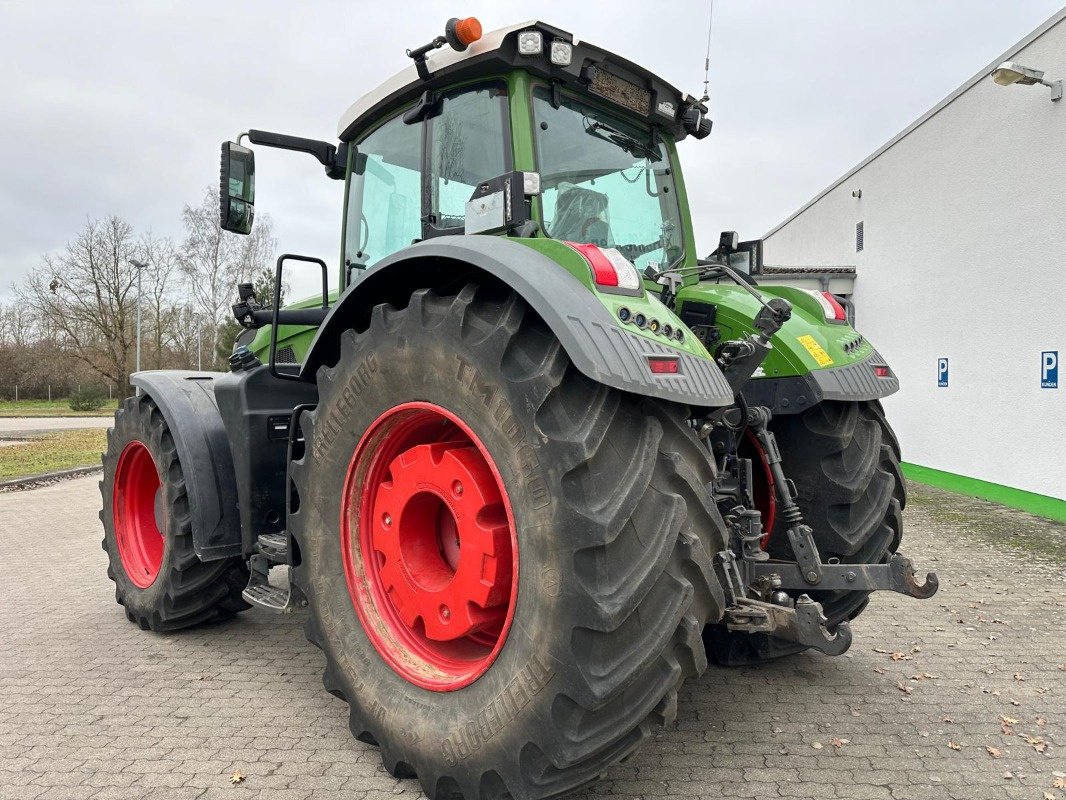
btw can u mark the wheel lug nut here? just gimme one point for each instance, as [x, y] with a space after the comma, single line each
[386, 520]
[445, 613]
[457, 488]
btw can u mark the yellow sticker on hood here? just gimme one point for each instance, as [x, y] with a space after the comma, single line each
[815, 350]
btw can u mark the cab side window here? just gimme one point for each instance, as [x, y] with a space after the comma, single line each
[468, 142]
[384, 193]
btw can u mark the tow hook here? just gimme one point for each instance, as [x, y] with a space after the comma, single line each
[760, 590]
[804, 623]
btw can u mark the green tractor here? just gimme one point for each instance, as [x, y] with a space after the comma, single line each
[535, 463]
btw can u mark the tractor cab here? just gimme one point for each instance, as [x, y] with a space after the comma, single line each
[593, 135]
[525, 131]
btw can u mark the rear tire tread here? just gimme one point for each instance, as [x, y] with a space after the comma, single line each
[644, 635]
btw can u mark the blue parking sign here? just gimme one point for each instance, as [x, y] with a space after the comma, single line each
[941, 372]
[1049, 369]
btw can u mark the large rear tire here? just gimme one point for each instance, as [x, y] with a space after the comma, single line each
[558, 669]
[148, 530]
[845, 461]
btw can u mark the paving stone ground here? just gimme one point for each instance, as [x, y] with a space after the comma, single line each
[92, 707]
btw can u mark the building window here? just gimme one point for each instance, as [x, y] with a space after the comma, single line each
[858, 237]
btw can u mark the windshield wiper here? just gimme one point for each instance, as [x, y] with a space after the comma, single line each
[630, 144]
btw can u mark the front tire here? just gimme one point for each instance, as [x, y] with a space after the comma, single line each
[609, 531]
[845, 461]
[158, 578]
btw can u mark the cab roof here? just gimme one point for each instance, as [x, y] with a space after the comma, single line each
[635, 90]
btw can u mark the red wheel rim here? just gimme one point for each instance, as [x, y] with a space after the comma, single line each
[429, 546]
[137, 514]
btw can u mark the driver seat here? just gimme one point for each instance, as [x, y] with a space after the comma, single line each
[581, 215]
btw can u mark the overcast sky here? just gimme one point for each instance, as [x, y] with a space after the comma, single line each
[112, 107]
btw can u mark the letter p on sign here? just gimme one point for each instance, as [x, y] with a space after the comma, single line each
[1049, 369]
[941, 372]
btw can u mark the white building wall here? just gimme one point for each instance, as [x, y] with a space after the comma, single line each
[964, 257]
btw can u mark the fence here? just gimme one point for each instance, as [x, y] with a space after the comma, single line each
[51, 392]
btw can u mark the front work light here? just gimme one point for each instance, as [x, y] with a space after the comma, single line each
[530, 43]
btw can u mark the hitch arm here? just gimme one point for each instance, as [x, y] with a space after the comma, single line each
[898, 575]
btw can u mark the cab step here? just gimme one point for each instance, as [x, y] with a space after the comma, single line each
[261, 593]
[275, 546]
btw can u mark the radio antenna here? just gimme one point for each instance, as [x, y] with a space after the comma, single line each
[707, 58]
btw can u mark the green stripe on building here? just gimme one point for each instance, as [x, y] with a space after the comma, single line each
[1038, 504]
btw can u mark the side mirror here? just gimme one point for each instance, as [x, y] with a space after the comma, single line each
[236, 192]
[742, 256]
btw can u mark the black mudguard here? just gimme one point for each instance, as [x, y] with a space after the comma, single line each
[794, 395]
[596, 345]
[187, 401]
[257, 408]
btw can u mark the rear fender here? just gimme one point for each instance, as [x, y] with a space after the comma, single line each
[812, 359]
[597, 345]
[187, 402]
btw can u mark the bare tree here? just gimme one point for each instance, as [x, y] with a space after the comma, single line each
[215, 261]
[207, 259]
[16, 324]
[86, 295]
[162, 273]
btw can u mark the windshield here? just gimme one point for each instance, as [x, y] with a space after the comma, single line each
[605, 182]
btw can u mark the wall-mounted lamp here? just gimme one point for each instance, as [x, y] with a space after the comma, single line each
[1008, 72]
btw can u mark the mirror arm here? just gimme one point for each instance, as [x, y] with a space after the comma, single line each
[333, 158]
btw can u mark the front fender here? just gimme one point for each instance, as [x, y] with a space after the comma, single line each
[595, 342]
[187, 402]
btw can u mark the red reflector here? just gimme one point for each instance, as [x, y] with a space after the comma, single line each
[662, 365]
[602, 270]
[838, 310]
[881, 371]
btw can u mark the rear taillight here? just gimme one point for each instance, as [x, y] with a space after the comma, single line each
[610, 269]
[831, 308]
[882, 371]
[663, 365]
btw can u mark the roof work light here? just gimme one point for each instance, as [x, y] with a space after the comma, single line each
[530, 43]
[561, 53]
